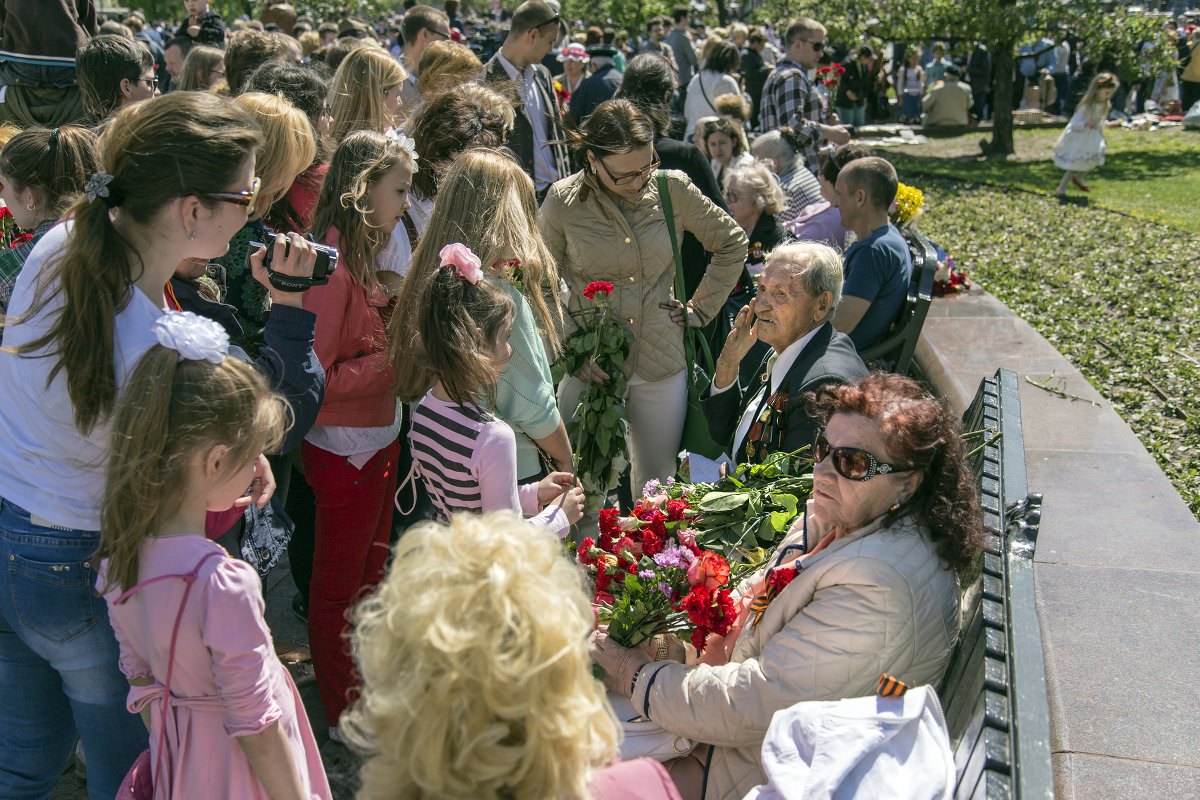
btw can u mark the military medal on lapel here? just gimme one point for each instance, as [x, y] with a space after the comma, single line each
[766, 431]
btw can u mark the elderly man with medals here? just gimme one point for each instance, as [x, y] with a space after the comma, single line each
[798, 292]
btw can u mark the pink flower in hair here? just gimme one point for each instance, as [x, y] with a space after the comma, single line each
[465, 262]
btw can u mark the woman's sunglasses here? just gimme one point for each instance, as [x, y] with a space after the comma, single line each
[853, 464]
[243, 198]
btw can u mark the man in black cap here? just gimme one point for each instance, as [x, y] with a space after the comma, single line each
[601, 85]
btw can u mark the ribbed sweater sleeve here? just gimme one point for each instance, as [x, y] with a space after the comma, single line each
[524, 394]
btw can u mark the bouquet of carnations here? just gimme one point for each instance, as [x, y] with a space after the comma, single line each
[831, 76]
[651, 576]
[599, 427]
[671, 564]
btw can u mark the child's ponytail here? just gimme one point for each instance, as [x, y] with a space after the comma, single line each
[458, 325]
[133, 489]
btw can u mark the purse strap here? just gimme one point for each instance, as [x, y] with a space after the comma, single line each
[690, 335]
[188, 578]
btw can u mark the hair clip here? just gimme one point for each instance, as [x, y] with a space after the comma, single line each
[97, 185]
[407, 143]
[194, 337]
[465, 262]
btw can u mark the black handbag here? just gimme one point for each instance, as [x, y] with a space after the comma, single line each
[696, 437]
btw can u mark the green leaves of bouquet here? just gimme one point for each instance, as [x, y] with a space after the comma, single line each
[599, 427]
[750, 509]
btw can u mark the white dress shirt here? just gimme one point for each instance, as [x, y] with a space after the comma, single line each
[544, 171]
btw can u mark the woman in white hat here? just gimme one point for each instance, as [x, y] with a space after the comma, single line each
[574, 58]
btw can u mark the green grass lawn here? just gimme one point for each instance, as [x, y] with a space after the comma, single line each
[1116, 294]
[1150, 174]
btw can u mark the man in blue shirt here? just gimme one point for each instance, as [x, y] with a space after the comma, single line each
[878, 264]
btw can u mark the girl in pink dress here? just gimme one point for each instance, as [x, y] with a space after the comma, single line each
[186, 431]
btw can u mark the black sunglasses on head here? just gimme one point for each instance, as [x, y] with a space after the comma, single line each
[555, 18]
[851, 463]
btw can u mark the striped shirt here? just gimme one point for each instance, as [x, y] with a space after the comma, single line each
[467, 460]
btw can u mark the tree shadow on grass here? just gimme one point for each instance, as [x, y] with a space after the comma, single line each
[1123, 165]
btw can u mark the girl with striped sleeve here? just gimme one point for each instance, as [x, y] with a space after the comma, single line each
[466, 457]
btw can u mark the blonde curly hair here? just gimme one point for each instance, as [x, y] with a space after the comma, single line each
[477, 683]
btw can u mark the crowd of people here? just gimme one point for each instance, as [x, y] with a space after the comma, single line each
[295, 284]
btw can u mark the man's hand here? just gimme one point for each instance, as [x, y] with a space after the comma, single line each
[739, 341]
[837, 134]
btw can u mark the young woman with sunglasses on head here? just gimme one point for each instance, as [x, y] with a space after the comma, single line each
[174, 177]
[606, 223]
[865, 583]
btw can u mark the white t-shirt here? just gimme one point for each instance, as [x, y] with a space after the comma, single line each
[397, 254]
[48, 467]
[703, 92]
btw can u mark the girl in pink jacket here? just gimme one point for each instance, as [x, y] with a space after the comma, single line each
[350, 454]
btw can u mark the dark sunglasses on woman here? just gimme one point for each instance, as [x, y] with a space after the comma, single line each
[851, 463]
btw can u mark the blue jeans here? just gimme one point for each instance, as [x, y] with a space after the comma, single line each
[58, 664]
[853, 115]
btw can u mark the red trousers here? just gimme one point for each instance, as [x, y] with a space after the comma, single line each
[353, 525]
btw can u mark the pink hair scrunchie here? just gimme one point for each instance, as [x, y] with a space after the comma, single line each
[465, 262]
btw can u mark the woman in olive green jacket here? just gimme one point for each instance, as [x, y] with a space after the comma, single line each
[606, 223]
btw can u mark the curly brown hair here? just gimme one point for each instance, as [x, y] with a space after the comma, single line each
[924, 434]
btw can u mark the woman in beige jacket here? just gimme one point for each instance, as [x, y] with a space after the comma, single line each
[870, 587]
[606, 223]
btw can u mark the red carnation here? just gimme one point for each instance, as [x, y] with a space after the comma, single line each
[584, 547]
[625, 543]
[605, 598]
[608, 521]
[778, 579]
[657, 522]
[597, 287]
[21, 238]
[696, 604]
[652, 543]
[675, 509]
[699, 639]
[723, 613]
[602, 581]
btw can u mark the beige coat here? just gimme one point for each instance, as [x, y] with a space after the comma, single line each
[596, 237]
[948, 104]
[875, 601]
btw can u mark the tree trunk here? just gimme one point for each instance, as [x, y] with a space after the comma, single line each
[722, 14]
[1002, 99]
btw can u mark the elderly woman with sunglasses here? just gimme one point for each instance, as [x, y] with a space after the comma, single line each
[606, 223]
[865, 583]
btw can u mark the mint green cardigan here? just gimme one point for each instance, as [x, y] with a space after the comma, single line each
[525, 396]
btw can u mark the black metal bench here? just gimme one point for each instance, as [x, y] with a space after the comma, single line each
[895, 352]
[994, 692]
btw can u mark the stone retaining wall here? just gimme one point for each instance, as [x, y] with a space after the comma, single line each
[1117, 565]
